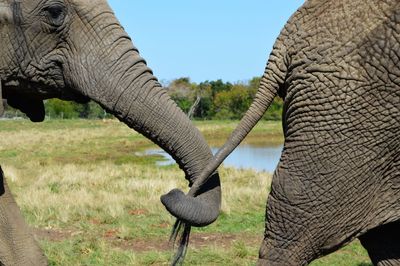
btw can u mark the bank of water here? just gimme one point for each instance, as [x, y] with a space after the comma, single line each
[257, 157]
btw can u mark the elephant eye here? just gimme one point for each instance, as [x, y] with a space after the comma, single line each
[56, 14]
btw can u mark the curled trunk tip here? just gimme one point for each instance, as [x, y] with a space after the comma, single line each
[198, 210]
[190, 210]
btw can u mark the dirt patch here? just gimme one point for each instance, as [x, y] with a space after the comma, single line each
[137, 212]
[51, 234]
[197, 240]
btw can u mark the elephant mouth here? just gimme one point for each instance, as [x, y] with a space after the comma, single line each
[39, 90]
[28, 97]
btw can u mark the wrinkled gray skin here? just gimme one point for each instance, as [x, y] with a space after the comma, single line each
[77, 50]
[13, 227]
[337, 66]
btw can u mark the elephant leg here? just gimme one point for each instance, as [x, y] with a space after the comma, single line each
[383, 244]
[17, 245]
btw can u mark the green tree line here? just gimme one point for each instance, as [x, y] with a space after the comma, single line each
[219, 100]
[59, 109]
[204, 101]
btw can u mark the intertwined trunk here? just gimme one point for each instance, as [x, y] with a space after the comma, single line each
[135, 97]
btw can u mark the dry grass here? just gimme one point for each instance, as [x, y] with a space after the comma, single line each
[86, 179]
[265, 132]
[90, 182]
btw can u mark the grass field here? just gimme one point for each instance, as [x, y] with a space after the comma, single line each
[92, 197]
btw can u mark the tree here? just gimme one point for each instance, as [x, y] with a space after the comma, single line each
[95, 111]
[59, 109]
[183, 92]
[56, 108]
[218, 99]
[232, 104]
[205, 104]
[208, 91]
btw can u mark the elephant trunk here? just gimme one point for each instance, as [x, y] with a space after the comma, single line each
[138, 100]
[271, 83]
[173, 200]
[265, 95]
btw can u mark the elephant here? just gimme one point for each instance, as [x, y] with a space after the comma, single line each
[13, 226]
[77, 50]
[336, 64]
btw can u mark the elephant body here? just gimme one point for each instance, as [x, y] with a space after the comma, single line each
[77, 50]
[336, 65]
[17, 246]
[339, 173]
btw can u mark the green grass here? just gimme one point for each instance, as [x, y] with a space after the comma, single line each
[89, 184]
[216, 132]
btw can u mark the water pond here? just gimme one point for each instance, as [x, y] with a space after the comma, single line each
[257, 157]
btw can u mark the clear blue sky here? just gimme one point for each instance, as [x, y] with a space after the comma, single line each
[205, 39]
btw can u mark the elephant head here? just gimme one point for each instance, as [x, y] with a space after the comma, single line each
[336, 65]
[77, 50]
